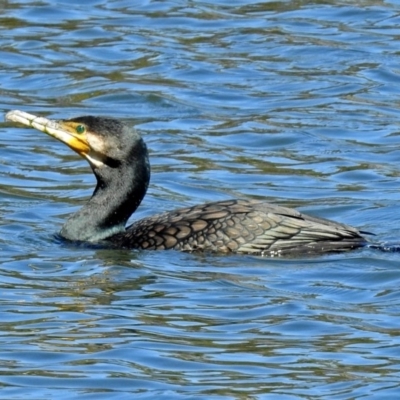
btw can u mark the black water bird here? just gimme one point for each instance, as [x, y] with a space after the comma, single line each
[119, 160]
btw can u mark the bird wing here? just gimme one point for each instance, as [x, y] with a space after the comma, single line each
[242, 226]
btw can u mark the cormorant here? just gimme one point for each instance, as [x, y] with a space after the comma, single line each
[119, 160]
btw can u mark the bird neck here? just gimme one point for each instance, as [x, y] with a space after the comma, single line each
[118, 194]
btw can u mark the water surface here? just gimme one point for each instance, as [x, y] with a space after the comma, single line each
[293, 102]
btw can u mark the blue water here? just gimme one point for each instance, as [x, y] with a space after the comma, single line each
[292, 102]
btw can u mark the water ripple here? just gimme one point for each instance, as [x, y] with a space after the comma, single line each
[289, 101]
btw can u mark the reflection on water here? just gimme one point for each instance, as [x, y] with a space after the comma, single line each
[288, 101]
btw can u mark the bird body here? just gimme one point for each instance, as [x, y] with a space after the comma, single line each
[240, 226]
[119, 160]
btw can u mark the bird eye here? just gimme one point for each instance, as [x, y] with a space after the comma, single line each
[80, 129]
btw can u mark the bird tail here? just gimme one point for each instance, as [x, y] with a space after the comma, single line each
[385, 247]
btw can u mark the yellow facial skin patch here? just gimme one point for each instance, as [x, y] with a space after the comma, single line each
[71, 133]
